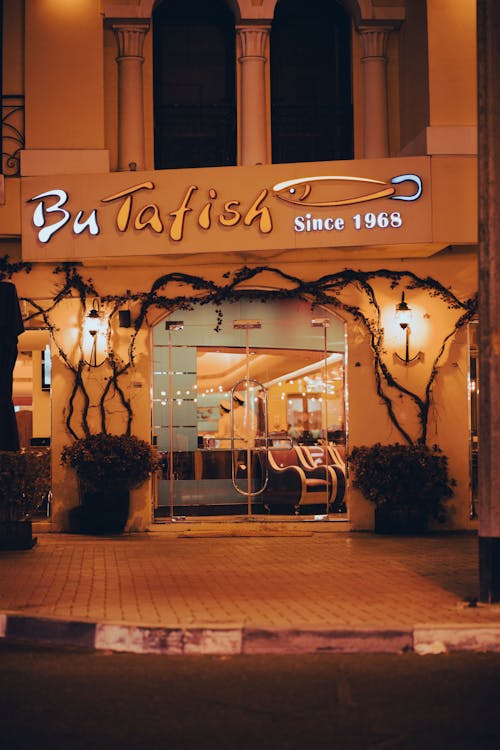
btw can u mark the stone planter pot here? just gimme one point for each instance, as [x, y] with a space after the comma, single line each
[16, 535]
[100, 513]
[397, 519]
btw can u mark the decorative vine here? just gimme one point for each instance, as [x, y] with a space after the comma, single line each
[8, 269]
[241, 284]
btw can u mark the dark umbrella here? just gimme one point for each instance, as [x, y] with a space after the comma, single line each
[11, 325]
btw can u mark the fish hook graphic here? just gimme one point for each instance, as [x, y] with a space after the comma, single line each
[407, 178]
[288, 191]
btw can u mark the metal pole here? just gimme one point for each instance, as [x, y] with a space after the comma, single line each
[171, 424]
[247, 424]
[246, 325]
[324, 324]
[325, 422]
[171, 325]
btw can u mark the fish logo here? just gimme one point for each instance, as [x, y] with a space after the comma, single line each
[299, 191]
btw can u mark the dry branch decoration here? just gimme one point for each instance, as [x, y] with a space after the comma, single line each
[244, 284]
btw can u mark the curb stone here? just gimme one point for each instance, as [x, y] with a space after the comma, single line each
[41, 630]
[321, 640]
[231, 640]
[440, 640]
[171, 641]
[207, 640]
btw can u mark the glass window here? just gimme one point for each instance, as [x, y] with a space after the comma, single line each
[222, 399]
[194, 84]
[311, 82]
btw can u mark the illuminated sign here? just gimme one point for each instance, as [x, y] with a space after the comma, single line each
[148, 216]
[223, 209]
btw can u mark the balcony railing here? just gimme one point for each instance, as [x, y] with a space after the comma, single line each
[12, 133]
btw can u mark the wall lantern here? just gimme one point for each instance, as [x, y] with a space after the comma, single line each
[92, 327]
[404, 318]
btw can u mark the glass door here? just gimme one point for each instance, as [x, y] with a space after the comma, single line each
[32, 405]
[226, 404]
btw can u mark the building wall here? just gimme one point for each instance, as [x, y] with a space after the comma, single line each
[368, 420]
[71, 126]
[64, 75]
[414, 72]
[452, 62]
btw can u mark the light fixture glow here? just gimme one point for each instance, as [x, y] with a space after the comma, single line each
[93, 330]
[404, 318]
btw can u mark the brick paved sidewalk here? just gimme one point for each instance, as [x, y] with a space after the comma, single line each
[273, 582]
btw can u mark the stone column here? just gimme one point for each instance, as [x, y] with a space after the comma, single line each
[488, 34]
[253, 120]
[130, 40]
[375, 119]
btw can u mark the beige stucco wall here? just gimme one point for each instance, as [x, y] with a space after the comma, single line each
[452, 62]
[64, 75]
[368, 421]
[71, 114]
[413, 72]
[448, 424]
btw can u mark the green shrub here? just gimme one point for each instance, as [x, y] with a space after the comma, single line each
[24, 482]
[403, 475]
[110, 462]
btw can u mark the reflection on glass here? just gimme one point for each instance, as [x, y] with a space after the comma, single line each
[217, 394]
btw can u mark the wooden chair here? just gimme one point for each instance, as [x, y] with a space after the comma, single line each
[311, 485]
[285, 487]
[315, 455]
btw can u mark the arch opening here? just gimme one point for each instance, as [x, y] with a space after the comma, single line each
[311, 82]
[194, 84]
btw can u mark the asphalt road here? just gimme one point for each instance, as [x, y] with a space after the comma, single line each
[76, 700]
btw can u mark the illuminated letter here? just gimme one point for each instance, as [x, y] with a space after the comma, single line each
[40, 211]
[123, 216]
[153, 221]
[265, 221]
[90, 223]
[177, 228]
[234, 219]
[205, 219]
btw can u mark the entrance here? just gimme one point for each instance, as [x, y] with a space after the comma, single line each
[249, 419]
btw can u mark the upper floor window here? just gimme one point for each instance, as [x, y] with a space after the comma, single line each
[194, 84]
[311, 82]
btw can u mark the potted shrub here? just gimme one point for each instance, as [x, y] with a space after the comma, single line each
[24, 486]
[107, 467]
[409, 484]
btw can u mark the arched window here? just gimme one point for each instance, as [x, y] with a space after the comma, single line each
[311, 82]
[194, 84]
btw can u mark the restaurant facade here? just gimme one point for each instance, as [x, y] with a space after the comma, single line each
[245, 232]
